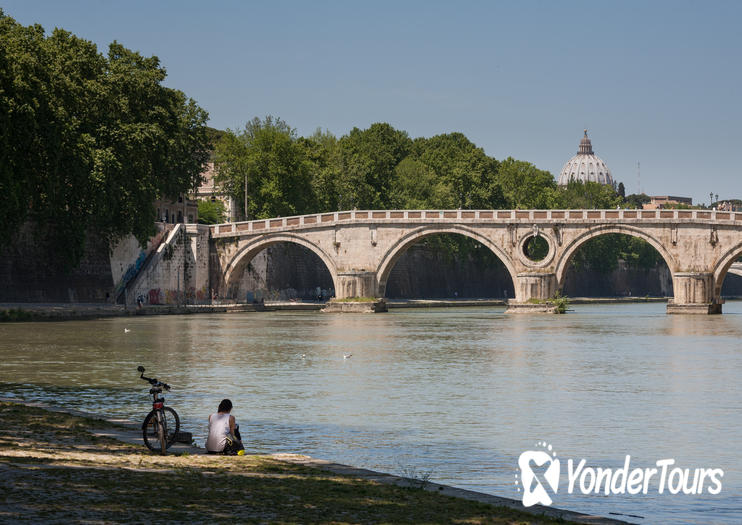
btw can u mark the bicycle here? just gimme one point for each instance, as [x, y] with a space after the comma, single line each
[162, 424]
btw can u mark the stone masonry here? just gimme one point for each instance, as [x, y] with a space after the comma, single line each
[360, 248]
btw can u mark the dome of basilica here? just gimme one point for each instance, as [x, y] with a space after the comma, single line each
[585, 166]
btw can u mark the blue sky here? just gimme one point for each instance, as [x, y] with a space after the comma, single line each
[654, 82]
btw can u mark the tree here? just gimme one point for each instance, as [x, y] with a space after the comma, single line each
[22, 77]
[525, 186]
[322, 153]
[466, 176]
[266, 156]
[621, 190]
[637, 200]
[366, 163]
[89, 141]
[416, 186]
[602, 253]
[590, 195]
[211, 212]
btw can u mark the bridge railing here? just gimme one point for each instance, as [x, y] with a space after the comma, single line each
[319, 219]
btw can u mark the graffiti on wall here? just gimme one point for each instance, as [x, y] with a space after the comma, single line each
[197, 296]
[154, 296]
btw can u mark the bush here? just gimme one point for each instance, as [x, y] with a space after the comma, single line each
[211, 212]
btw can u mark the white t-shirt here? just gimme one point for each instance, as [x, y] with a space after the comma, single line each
[218, 432]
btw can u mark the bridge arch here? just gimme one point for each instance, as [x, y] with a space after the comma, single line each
[569, 251]
[722, 267]
[396, 250]
[249, 250]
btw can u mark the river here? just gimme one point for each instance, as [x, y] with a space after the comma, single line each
[455, 392]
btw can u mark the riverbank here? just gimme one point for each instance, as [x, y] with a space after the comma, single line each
[61, 467]
[14, 312]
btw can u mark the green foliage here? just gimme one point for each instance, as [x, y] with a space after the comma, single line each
[211, 212]
[602, 253]
[637, 200]
[416, 186]
[460, 248]
[13, 315]
[367, 160]
[526, 187]
[560, 303]
[460, 174]
[322, 152]
[214, 135]
[266, 156]
[379, 168]
[588, 195]
[536, 248]
[89, 141]
[621, 190]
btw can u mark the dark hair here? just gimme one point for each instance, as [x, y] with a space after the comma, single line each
[225, 405]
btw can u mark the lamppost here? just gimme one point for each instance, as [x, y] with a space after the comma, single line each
[246, 196]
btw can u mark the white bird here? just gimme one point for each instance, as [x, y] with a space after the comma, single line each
[347, 356]
[303, 356]
[126, 330]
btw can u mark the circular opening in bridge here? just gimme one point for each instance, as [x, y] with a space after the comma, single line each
[535, 248]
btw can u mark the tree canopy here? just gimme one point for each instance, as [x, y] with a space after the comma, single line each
[381, 167]
[87, 140]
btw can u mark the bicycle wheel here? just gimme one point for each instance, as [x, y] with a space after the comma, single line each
[151, 431]
[172, 424]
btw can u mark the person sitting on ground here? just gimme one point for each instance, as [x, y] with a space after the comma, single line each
[224, 434]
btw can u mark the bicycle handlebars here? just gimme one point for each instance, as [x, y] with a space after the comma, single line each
[152, 381]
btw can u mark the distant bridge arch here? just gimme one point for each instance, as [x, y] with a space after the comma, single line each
[398, 248]
[592, 232]
[724, 265]
[239, 260]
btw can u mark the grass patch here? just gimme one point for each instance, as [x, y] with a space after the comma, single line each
[356, 300]
[54, 471]
[559, 302]
[14, 315]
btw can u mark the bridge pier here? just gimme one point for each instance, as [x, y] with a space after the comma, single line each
[693, 294]
[356, 284]
[532, 291]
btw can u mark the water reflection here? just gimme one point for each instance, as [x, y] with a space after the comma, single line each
[461, 392]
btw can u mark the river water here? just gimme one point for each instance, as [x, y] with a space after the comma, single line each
[457, 393]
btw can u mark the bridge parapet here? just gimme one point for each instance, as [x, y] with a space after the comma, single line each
[261, 226]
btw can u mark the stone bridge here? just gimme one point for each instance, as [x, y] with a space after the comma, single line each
[360, 248]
